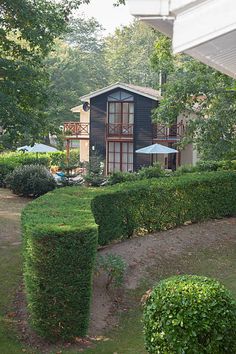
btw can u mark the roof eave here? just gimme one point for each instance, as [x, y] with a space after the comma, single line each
[86, 98]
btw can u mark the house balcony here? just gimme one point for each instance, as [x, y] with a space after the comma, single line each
[173, 133]
[119, 130]
[76, 130]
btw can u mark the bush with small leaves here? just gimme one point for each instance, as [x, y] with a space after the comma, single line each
[121, 177]
[30, 181]
[154, 171]
[190, 314]
[114, 266]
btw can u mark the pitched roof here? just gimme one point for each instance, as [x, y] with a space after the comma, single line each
[140, 90]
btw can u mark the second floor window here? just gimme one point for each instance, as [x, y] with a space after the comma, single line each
[121, 117]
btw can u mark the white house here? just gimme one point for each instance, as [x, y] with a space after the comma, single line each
[204, 29]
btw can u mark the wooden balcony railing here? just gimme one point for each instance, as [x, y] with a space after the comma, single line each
[76, 128]
[120, 129]
[162, 132]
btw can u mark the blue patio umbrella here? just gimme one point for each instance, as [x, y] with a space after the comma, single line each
[156, 149]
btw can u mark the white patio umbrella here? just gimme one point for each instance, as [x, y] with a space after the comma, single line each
[156, 149]
[37, 148]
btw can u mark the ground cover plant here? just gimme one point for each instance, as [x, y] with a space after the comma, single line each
[186, 314]
[114, 267]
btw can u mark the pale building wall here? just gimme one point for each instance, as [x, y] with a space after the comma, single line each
[188, 154]
[84, 144]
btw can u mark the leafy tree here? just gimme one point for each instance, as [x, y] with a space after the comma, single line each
[206, 98]
[27, 31]
[128, 52]
[76, 67]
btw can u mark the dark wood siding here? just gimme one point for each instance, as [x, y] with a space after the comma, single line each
[98, 114]
[142, 129]
[142, 125]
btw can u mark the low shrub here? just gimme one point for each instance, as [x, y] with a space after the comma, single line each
[207, 166]
[159, 204]
[181, 170]
[114, 266]
[59, 247]
[190, 314]
[145, 173]
[121, 177]
[30, 180]
[154, 171]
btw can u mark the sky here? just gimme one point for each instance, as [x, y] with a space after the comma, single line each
[109, 16]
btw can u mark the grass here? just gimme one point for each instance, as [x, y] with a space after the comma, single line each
[219, 262]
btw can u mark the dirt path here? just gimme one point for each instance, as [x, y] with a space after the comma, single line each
[158, 250]
[10, 210]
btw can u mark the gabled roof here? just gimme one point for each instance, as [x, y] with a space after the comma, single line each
[143, 91]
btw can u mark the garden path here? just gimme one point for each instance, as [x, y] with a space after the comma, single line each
[154, 253]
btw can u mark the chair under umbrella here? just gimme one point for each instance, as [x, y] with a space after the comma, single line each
[37, 148]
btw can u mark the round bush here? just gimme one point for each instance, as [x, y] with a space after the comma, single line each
[31, 180]
[190, 314]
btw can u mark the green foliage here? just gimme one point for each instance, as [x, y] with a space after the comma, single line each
[114, 266]
[95, 170]
[60, 235]
[190, 314]
[154, 171]
[198, 92]
[30, 181]
[59, 241]
[9, 161]
[159, 204]
[121, 177]
[28, 30]
[127, 55]
[207, 166]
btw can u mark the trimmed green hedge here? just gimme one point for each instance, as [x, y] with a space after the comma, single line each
[60, 241]
[60, 237]
[153, 205]
[190, 314]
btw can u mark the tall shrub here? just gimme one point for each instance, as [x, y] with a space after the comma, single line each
[59, 255]
[190, 314]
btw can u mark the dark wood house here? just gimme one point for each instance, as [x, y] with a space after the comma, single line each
[119, 121]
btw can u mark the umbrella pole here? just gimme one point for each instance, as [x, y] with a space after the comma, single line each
[67, 151]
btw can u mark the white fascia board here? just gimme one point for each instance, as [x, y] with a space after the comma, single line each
[117, 85]
[202, 23]
[149, 7]
[177, 6]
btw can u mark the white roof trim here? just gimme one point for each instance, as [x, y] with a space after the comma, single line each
[204, 29]
[77, 109]
[116, 86]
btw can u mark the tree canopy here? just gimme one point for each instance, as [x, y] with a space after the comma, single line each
[206, 97]
[27, 32]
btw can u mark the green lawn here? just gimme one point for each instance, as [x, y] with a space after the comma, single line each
[219, 261]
